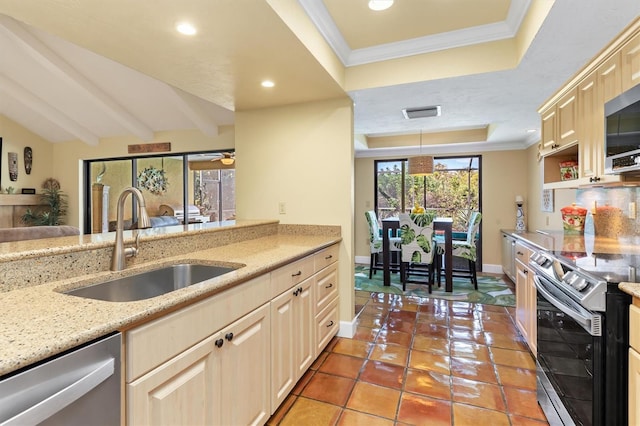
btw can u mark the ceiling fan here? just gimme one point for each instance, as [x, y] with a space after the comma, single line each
[226, 158]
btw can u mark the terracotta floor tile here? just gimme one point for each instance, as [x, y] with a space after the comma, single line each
[505, 342]
[522, 359]
[297, 389]
[355, 418]
[524, 421]
[309, 412]
[466, 334]
[516, 377]
[469, 415]
[366, 334]
[403, 315]
[432, 330]
[466, 323]
[376, 400]
[383, 374]
[471, 350]
[392, 354]
[490, 308]
[371, 321]
[342, 365]
[474, 370]
[328, 388]
[282, 410]
[399, 325]
[352, 347]
[441, 318]
[522, 402]
[428, 383]
[318, 362]
[498, 317]
[431, 344]
[394, 337]
[429, 361]
[497, 327]
[434, 306]
[479, 394]
[421, 410]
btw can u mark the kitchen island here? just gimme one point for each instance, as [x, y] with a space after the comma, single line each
[38, 321]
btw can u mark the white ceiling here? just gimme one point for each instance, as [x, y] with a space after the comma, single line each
[93, 69]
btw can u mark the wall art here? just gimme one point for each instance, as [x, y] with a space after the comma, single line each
[28, 159]
[13, 166]
[547, 200]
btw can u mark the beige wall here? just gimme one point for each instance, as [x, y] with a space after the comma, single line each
[504, 175]
[14, 139]
[302, 156]
[67, 158]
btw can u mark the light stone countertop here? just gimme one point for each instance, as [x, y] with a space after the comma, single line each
[630, 288]
[38, 322]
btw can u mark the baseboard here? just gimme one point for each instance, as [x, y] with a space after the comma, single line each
[347, 328]
[362, 260]
[492, 269]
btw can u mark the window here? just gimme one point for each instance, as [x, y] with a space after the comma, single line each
[197, 181]
[453, 190]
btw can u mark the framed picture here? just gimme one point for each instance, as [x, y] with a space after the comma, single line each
[547, 200]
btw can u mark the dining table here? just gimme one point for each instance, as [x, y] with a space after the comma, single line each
[445, 224]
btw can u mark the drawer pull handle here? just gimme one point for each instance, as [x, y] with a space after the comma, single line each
[328, 257]
[520, 253]
[219, 343]
[330, 324]
[297, 274]
[330, 285]
[229, 336]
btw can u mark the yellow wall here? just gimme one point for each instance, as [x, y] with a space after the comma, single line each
[504, 175]
[302, 156]
[67, 158]
[14, 139]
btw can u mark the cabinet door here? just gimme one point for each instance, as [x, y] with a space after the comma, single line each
[182, 391]
[567, 126]
[532, 313]
[305, 326]
[609, 77]
[634, 387]
[591, 111]
[522, 300]
[549, 122]
[631, 63]
[245, 370]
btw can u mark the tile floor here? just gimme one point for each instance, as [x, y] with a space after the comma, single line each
[419, 362]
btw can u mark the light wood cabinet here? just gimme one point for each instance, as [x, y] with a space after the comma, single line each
[634, 363]
[525, 296]
[559, 124]
[630, 56]
[292, 338]
[508, 256]
[610, 77]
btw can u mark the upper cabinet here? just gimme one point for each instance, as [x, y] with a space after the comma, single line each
[573, 119]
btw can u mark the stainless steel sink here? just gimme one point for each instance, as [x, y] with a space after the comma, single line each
[152, 283]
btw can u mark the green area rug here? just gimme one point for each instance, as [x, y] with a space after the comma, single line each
[492, 290]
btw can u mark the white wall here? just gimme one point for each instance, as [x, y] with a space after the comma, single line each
[300, 155]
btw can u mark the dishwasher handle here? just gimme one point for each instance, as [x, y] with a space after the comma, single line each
[59, 400]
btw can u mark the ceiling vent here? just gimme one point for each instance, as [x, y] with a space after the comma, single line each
[421, 112]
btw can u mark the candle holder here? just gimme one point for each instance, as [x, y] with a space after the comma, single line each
[520, 225]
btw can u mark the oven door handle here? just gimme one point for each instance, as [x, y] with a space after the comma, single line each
[587, 322]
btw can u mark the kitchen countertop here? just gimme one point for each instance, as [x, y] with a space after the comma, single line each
[38, 322]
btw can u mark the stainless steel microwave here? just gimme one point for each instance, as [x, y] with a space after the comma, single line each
[622, 133]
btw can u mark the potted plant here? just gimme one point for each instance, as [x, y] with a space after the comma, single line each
[54, 206]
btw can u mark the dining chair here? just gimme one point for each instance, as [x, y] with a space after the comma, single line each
[418, 248]
[375, 244]
[466, 249]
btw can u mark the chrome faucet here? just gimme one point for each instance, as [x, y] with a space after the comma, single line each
[120, 253]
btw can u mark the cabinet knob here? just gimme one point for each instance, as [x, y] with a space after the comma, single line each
[330, 324]
[229, 336]
[295, 292]
[594, 179]
[219, 343]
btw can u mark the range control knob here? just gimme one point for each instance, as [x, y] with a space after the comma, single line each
[579, 284]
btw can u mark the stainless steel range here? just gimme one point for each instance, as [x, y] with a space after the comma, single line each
[582, 345]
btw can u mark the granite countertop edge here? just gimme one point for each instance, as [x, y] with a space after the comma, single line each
[39, 322]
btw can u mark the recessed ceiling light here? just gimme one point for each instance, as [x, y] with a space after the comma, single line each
[380, 4]
[186, 28]
[267, 83]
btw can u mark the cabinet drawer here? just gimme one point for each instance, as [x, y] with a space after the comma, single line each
[326, 257]
[154, 343]
[327, 323]
[522, 253]
[634, 327]
[289, 275]
[326, 287]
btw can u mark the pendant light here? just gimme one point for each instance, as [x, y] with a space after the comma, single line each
[421, 165]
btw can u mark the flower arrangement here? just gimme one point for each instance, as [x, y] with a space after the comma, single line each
[153, 180]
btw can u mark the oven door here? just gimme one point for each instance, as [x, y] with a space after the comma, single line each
[570, 359]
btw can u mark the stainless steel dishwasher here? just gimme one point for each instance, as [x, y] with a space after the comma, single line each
[79, 387]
